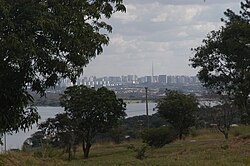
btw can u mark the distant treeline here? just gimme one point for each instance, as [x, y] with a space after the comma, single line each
[50, 99]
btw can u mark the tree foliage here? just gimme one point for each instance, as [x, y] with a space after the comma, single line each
[222, 115]
[60, 131]
[43, 41]
[223, 58]
[178, 110]
[87, 112]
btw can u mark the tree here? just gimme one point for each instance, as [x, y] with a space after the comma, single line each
[60, 131]
[88, 112]
[223, 59]
[43, 41]
[178, 110]
[224, 115]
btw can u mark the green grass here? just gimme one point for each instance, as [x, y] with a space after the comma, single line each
[177, 154]
[203, 151]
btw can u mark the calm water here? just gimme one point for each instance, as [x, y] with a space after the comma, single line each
[15, 141]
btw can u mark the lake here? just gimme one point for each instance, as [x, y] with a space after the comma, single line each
[15, 141]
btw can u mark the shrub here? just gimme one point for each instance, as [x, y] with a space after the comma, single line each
[194, 132]
[236, 133]
[140, 151]
[38, 154]
[225, 146]
[45, 151]
[158, 137]
[240, 131]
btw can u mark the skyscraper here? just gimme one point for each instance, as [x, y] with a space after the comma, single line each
[162, 79]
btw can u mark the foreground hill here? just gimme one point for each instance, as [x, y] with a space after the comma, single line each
[206, 148]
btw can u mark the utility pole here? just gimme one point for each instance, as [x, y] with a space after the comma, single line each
[146, 88]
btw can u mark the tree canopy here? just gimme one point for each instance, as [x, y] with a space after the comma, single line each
[223, 58]
[178, 110]
[43, 41]
[89, 112]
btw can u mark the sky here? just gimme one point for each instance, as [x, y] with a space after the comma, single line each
[158, 33]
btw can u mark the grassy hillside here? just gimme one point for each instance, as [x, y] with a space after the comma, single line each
[206, 147]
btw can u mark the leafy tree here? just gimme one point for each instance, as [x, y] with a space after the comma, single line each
[224, 115]
[43, 41]
[87, 112]
[60, 131]
[178, 110]
[223, 59]
[35, 140]
[15, 112]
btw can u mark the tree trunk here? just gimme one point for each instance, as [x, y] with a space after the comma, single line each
[69, 151]
[226, 135]
[180, 136]
[70, 145]
[224, 131]
[83, 146]
[180, 133]
[86, 147]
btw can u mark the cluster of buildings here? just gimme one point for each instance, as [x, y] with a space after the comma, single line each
[112, 81]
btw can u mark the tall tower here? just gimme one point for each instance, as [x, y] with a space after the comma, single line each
[153, 80]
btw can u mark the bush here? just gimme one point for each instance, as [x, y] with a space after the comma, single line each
[140, 151]
[158, 137]
[240, 131]
[38, 154]
[194, 132]
[225, 146]
[236, 133]
[45, 151]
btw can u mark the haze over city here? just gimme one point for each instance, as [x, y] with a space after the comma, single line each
[161, 32]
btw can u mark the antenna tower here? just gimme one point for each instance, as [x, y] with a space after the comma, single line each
[153, 73]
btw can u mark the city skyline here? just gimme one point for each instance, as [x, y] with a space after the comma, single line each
[93, 81]
[149, 74]
[158, 31]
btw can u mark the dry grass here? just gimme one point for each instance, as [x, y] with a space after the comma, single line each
[203, 151]
[24, 158]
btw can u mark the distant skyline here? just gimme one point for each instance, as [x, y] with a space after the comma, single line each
[139, 76]
[161, 32]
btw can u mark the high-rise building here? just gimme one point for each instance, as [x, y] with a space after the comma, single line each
[162, 79]
[124, 79]
[180, 79]
[149, 79]
[171, 80]
[130, 78]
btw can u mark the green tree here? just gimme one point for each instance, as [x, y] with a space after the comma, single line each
[223, 59]
[43, 41]
[178, 110]
[89, 112]
[224, 115]
[60, 132]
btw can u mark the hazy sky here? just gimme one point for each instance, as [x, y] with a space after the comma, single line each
[161, 32]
